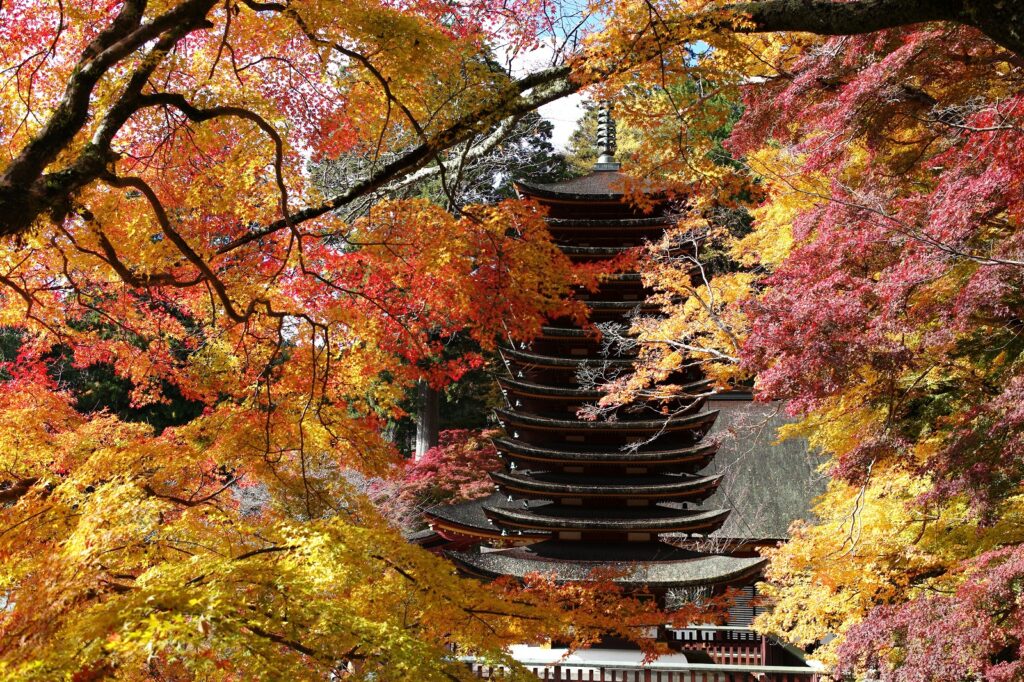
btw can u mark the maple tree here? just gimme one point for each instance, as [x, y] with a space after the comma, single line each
[902, 281]
[161, 227]
[160, 222]
[454, 470]
[869, 200]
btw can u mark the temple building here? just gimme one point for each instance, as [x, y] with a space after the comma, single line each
[676, 505]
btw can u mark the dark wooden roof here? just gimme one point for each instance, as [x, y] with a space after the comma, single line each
[470, 515]
[595, 186]
[568, 332]
[594, 251]
[530, 388]
[649, 519]
[646, 221]
[655, 565]
[622, 306]
[560, 485]
[619, 426]
[622, 277]
[526, 357]
[513, 447]
[768, 484]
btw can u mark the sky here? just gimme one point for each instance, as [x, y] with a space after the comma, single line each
[563, 114]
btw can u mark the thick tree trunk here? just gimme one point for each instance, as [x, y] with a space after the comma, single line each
[428, 418]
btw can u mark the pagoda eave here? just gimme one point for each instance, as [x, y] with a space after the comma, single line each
[619, 426]
[616, 223]
[688, 569]
[595, 251]
[661, 487]
[467, 520]
[532, 390]
[521, 357]
[517, 449]
[553, 332]
[557, 518]
[693, 389]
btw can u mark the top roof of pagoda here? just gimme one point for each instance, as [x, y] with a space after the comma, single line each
[597, 185]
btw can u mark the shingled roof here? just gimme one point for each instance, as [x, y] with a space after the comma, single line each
[767, 484]
[601, 184]
[652, 564]
[596, 185]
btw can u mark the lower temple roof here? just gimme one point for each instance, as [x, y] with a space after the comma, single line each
[650, 519]
[469, 517]
[652, 564]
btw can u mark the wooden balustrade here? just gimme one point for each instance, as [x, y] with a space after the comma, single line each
[738, 655]
[574, 673]
[726, 646]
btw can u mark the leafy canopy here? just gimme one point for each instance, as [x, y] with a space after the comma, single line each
[160, 222]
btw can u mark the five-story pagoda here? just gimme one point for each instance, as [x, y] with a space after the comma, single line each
[578, 495]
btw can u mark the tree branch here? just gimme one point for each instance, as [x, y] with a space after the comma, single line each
[1003, 22]
[25, 191]
[540, 88]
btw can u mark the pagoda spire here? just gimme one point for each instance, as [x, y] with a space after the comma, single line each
[606, 144]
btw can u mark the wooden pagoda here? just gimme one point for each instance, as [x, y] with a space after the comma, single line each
[582, 494]
[628, 494]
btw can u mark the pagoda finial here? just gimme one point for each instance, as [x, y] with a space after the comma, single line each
[606, 138]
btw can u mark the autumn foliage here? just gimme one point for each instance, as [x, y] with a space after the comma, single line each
[161, 223]
[860, 197]
[454, 470]
[853, 242]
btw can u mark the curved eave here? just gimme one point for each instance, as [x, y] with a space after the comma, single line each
[621, 306]
[552, 332]
[601, 187]
[467, 520]
[595, 251]
[664, 220]
[525, 189]
[670, 487]
[684, 423]
[522, 357]
[517, 449]
[702, 570]
[622, 277]
[528, 389]
[699, 522]
[532, 390]
[455, 531]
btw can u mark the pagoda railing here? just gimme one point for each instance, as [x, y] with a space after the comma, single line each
[738, 655]
[728, 645]
[619, 672]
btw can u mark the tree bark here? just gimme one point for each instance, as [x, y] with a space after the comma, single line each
[1003, 22]
[428, 419]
